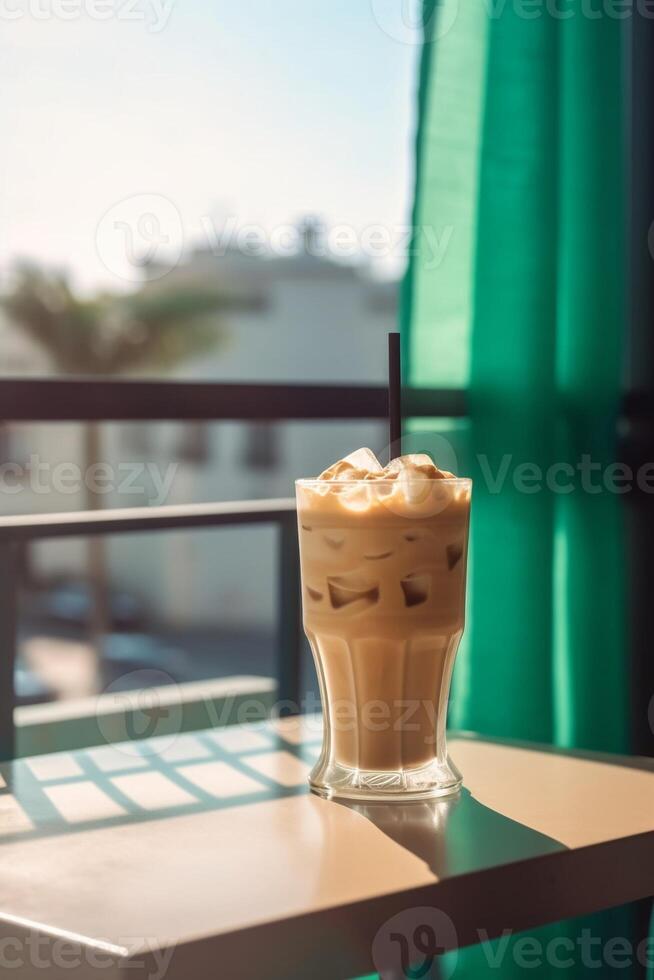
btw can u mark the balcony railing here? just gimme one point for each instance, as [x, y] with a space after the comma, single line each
[86, 400]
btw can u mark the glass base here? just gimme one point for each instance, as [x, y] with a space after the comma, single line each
[436, 779]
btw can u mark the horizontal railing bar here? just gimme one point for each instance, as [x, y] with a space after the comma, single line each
[112, 400]
[129, 519]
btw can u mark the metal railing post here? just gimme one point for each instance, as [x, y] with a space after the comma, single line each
[8, 616]
[289, 640]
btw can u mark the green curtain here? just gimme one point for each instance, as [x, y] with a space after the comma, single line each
[520, 172]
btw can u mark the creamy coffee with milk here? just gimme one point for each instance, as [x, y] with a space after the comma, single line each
[383, 553]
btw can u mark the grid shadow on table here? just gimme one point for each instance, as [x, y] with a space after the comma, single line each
[155, 779]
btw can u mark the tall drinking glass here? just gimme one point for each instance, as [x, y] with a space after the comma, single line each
[383, 588]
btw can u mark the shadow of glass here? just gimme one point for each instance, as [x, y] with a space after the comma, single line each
[456, 835]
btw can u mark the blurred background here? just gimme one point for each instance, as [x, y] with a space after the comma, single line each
[199, 192]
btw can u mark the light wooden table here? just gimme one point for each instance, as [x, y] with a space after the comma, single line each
[205, 856]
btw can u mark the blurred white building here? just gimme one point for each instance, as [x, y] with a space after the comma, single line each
[297, 319]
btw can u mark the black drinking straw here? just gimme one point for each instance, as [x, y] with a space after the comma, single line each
[394, 395]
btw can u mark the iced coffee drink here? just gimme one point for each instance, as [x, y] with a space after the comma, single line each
[383, 553]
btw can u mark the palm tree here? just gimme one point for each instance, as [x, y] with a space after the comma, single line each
[108, 334]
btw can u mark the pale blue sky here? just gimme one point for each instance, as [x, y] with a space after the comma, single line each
[261, 109]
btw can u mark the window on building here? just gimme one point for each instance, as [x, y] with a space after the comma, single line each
[262, 446]
[193, 444]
